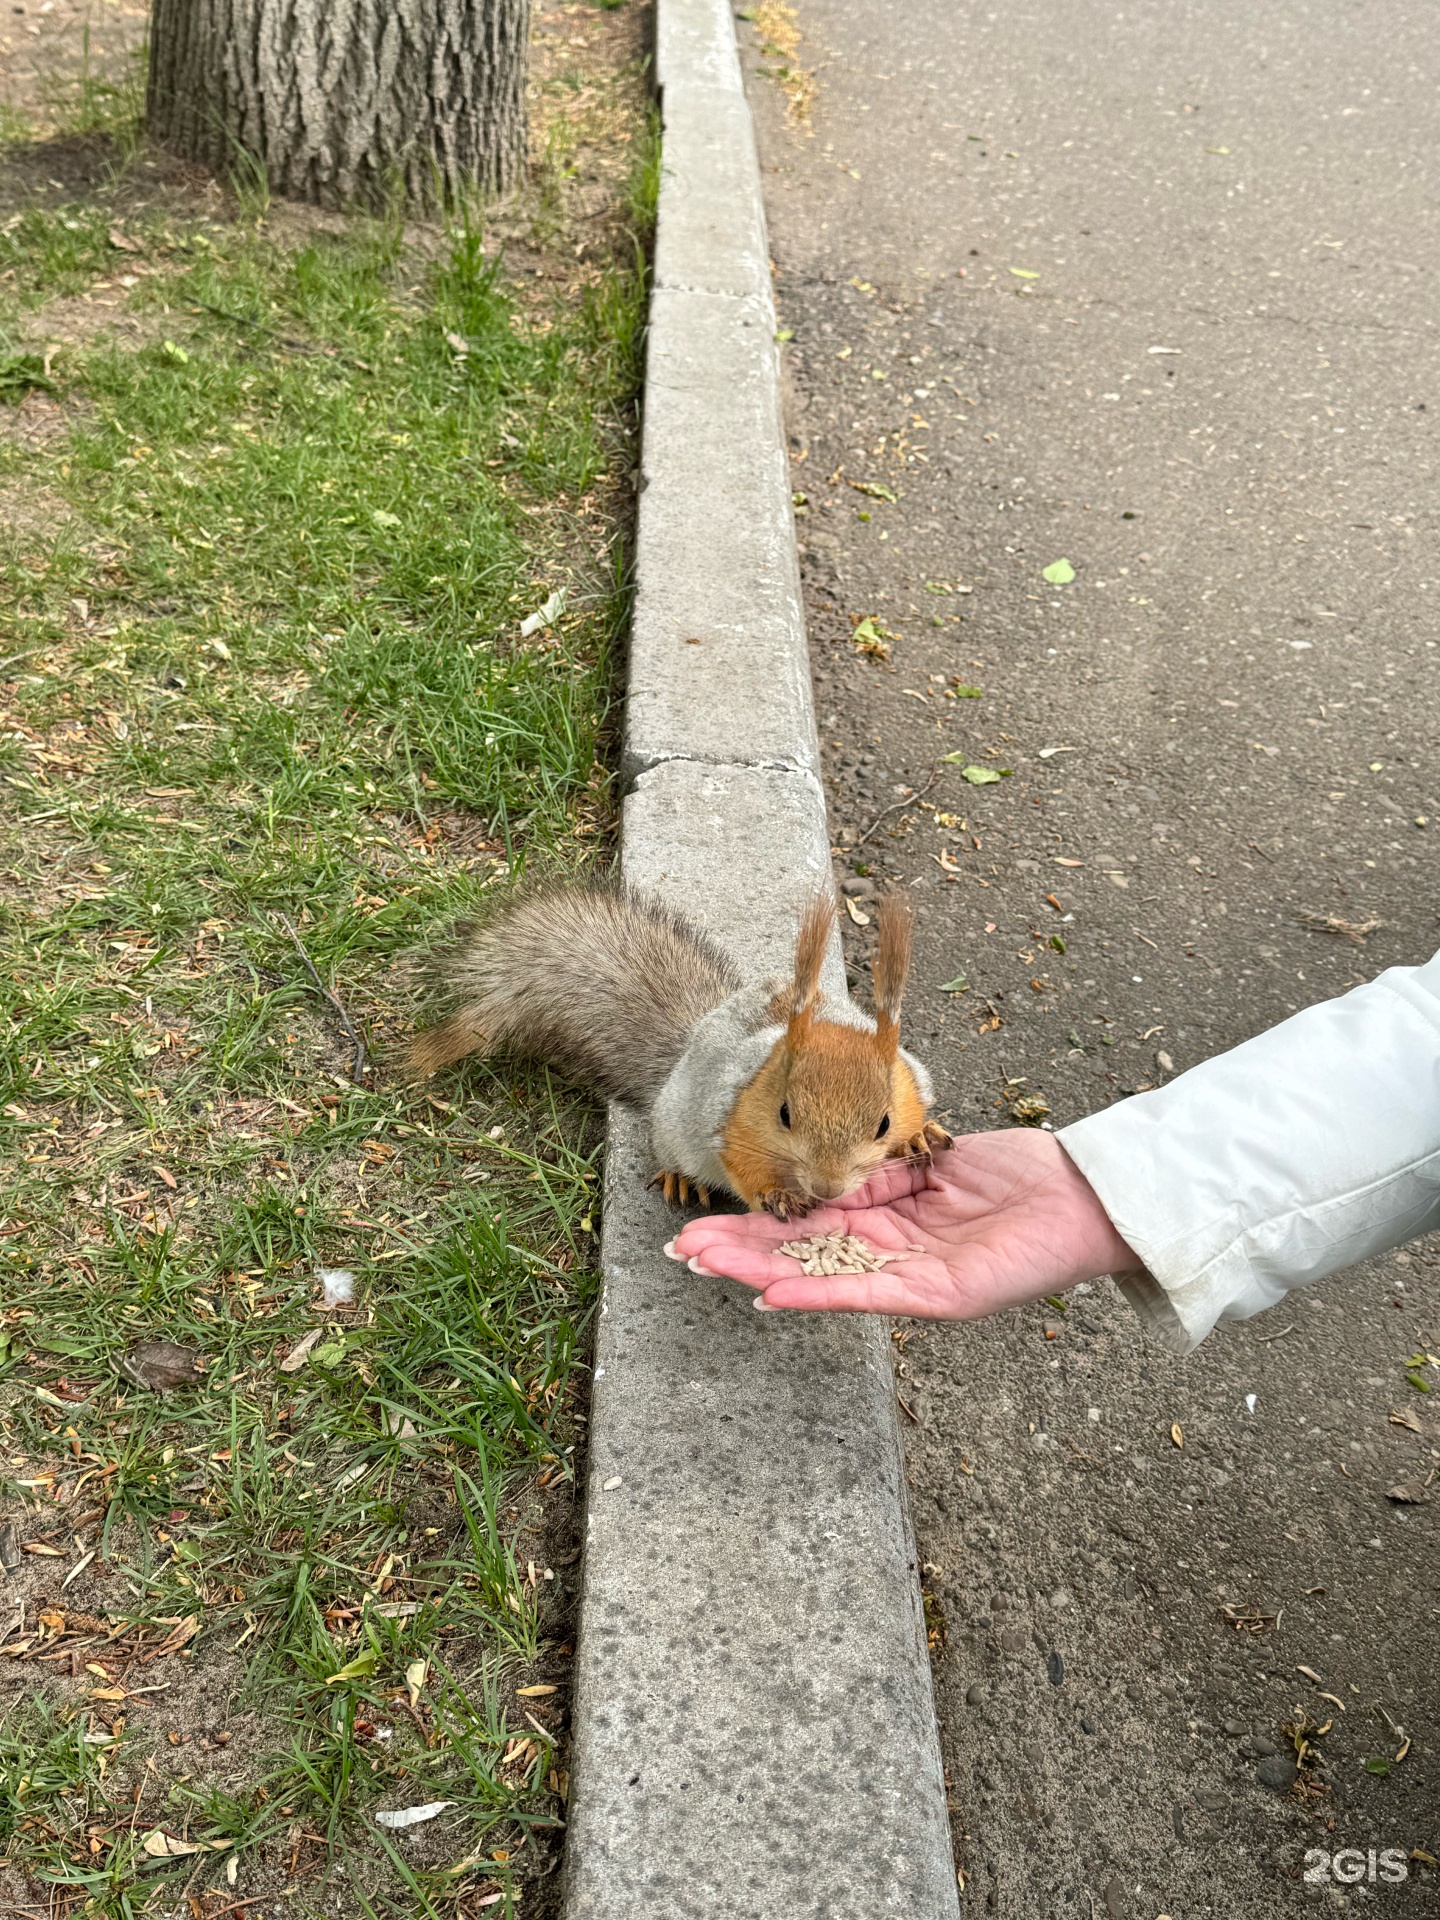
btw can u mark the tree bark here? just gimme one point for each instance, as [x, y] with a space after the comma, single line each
[338, 99]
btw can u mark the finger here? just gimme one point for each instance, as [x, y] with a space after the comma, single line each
[893, 1180]
[904, 1291]
[751, 1266]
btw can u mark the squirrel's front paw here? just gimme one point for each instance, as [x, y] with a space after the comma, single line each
[784, 1204]
[929, 1141]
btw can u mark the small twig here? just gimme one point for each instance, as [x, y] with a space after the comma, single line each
[910, 801]
[1266, 1337]
[361, 1066]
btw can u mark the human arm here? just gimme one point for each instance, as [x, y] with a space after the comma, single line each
[1302, 1150]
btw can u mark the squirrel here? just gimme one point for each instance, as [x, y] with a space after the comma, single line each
[767, 1091]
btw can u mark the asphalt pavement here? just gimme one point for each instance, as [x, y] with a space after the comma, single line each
[1150, 291]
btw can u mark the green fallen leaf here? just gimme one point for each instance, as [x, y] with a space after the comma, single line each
[177, 354]
[875, 491]
[1059, 573]
[1418, 1382]
[386, 519]
[784, 333]
[331, 1354]
[965, 692]
[1377, 1766]
[360, 1668]
[1024, 273]
[958, 985]
[978, 776]
[1057, 943]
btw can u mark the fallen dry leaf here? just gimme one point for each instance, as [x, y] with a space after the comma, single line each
[1411, 1494]
[160, 1366]
[1177, 1433]
[1355, 930]
[300, 1352]
[1406, 1417]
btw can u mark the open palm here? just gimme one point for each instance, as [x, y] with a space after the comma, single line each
[996, 1219]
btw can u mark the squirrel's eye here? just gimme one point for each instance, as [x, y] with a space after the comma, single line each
[784, 1113]
[883, 1128]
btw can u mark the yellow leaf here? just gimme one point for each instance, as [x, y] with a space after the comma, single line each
[533, 1693]
[1177, 1433]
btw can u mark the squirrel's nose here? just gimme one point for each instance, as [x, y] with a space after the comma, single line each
[831, 1189]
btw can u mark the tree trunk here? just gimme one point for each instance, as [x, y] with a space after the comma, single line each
[338, 99]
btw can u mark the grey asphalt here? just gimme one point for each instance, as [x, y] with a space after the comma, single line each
[1151, 289]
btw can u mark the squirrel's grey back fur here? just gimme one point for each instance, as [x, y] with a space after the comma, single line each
[605, 986]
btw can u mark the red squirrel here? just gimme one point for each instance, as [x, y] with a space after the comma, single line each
[769, 1091]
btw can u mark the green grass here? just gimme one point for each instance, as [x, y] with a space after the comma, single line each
[269, 722]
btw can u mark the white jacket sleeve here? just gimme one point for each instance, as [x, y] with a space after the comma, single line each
[1309, 1147]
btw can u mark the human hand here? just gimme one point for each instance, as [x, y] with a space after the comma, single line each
[994, 1220]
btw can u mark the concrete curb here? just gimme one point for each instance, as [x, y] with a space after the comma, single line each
[754, 1731]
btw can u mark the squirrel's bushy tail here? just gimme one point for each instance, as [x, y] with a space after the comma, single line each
[605, 986]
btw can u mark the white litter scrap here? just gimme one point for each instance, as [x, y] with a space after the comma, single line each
[545, 616]
[337, 1287]
[412, 1816]
[832, 1253]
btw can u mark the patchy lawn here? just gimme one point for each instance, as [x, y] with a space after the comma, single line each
[291, 1382]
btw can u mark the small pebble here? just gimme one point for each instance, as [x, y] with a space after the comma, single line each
[974, 1694]
[1277, 1773]
[1055, 1667]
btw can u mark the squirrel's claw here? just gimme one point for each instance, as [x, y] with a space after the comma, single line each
[678, 1188]
[783, 1204]
[929, 1141]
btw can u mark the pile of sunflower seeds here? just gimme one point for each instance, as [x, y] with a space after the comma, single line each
[836, 1252]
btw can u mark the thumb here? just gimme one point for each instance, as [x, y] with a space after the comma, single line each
[895, 1180]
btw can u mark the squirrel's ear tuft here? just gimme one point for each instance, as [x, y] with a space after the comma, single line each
[810, 944]
[892, 964]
